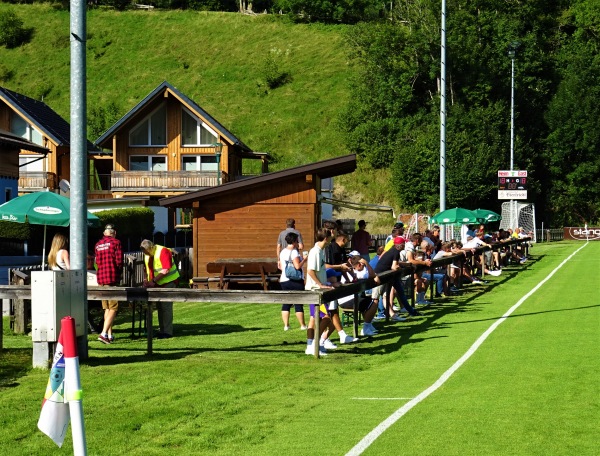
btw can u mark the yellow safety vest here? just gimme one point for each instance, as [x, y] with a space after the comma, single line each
[173, 273]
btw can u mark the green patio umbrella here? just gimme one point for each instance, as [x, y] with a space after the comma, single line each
[41, 208]
[456, 216]
[487, 216]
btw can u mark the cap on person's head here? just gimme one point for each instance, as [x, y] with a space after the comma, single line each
[399, 225]
[399, 240]
[362, 223]
[354, 253]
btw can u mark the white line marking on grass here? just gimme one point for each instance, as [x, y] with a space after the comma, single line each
[384, 425]
[382, 398]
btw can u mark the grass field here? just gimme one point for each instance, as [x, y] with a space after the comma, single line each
[233, 382]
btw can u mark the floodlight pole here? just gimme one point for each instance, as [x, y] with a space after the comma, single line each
[443, 111]
[512, 53]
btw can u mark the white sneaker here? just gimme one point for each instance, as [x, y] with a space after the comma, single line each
[348, 340]
[328, 345]
[477, 280]
[286, 328]
[303, 328]
[397, 318]
[309, 351]
[396, 308]
[495, 273]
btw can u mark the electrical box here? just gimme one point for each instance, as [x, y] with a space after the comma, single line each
[55, 295]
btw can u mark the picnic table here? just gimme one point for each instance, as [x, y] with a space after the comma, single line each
[244, 270]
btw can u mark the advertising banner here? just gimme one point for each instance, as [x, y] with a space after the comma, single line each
[582, 233]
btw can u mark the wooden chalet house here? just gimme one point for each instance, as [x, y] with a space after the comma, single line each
[242, 219]
[168, 145]
[45, 130]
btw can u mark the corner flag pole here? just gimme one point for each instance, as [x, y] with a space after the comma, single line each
[73, 392]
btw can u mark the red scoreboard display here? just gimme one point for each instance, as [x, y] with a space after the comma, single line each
[512, 184]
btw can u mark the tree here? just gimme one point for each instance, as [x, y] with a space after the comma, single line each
[574, 140]
[12, 31]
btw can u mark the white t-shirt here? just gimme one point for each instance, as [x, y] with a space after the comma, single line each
[287, 255]
[360, 275]
[473, 243]
[316, 262]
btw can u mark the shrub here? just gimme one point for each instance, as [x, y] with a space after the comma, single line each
[137, 221]
[274, 73]
[12, 32]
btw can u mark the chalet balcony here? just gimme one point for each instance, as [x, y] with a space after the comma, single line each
[159, 181]
[35, 181]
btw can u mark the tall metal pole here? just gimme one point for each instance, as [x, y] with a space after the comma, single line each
[443, 112]
[512, 112]
[512, 52]
[78, 161]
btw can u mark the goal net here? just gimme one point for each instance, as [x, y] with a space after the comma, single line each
[515, 215]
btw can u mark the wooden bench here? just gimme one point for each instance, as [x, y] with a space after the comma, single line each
[263, 271]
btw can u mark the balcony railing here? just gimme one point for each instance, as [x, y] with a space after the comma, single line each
[184, 181]
[36, 180]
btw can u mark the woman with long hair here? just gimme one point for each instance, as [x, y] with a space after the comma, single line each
[58, 258]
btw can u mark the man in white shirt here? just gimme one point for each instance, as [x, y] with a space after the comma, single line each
[316, 278]
[474, 242]
[368, 308]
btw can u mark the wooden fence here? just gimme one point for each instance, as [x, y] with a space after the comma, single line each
[133, 294]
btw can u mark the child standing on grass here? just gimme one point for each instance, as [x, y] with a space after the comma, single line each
[316, 278]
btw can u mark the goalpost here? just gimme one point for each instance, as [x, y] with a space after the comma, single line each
[521, 213]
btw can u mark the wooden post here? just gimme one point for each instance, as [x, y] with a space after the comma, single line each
[355, 312]
[20, 318]
[149, 327]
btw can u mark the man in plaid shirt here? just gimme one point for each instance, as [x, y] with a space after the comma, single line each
[109, 262]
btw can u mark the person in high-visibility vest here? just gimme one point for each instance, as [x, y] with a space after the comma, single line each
[162, 272]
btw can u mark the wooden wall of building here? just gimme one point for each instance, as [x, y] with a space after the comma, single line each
[173, 150]
[246, 224]
[9, 162]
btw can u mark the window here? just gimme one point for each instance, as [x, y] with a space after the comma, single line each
[31, 163]
[21, 128]
[152, 131]
[199, 163]
[194, 132]
[7, 194]
[147, 163]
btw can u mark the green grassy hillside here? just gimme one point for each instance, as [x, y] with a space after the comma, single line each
[217, 59]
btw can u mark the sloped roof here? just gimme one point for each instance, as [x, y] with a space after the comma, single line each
[164, 86]
[324, 169]
[39, 114]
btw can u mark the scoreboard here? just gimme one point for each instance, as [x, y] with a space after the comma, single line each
[512, 184]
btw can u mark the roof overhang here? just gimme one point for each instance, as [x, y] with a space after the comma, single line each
[324, 169]
[16, 142]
